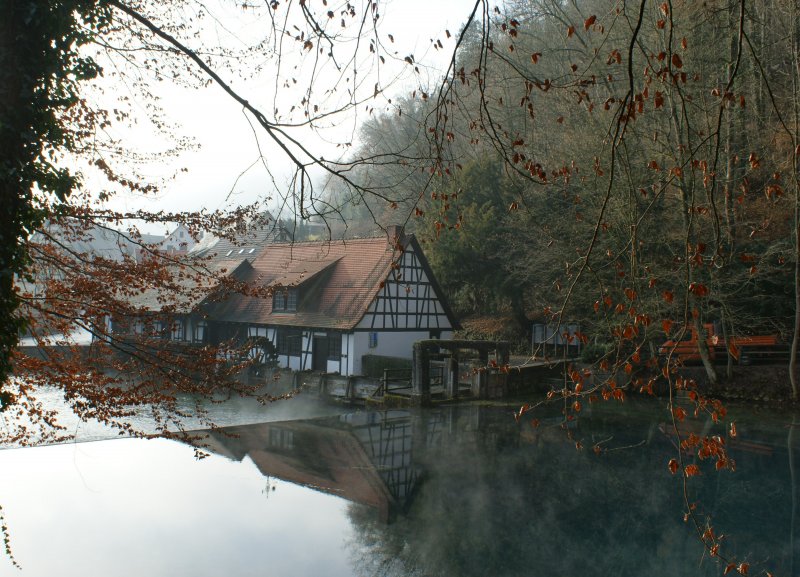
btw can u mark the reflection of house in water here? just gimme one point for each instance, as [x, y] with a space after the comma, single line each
[366, 458]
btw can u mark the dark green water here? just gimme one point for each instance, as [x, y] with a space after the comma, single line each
[457, 491]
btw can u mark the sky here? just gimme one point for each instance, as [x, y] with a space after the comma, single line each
[223, 171]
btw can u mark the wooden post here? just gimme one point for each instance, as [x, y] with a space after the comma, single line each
[385, 382]
[480, 389]
[450, 374]
[420, 376]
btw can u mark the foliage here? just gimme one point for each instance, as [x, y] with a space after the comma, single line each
[42, 71]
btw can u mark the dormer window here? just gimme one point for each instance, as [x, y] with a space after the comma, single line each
[284, 300]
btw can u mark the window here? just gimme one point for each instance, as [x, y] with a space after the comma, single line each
[334, 346]
[295, 342]
[291, 300]
[289, 342]
[177, 330]
[200, 331]
[284, 300]
[373, 340]
[159, 329]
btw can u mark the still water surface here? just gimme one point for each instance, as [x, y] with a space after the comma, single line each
[452, 491]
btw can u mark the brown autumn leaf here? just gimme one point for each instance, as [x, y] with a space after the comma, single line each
[570, 31]
[691, 470]
[673, 466]
[589, 21]
[676, 61]
[698, 289]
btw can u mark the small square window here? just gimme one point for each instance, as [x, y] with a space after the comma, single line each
[289, 342]
[284, 300]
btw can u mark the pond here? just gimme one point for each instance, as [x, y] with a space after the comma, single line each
[460, 490]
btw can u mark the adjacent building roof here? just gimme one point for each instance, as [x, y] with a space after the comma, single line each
[188, 287]
[248, 244]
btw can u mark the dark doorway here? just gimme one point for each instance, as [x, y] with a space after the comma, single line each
[319, 354]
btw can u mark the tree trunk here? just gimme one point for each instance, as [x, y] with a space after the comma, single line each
[15, 157]
[795, 176]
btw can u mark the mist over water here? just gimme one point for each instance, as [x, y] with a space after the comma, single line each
[198, 413]
[453, 491]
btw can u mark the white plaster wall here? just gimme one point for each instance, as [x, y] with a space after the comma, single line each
[348, 348]
[294, 362]
[390, 344]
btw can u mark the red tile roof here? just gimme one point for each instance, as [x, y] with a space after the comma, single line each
[337, 281]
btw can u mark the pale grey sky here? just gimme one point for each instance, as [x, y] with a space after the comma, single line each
[227, 146]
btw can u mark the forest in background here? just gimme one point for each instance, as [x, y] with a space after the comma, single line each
[629, 170]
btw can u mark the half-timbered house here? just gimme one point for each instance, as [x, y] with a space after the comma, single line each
[332, 302]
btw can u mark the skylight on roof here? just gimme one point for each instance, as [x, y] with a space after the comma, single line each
[251, 251]
[229, 252]
[241, 250]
